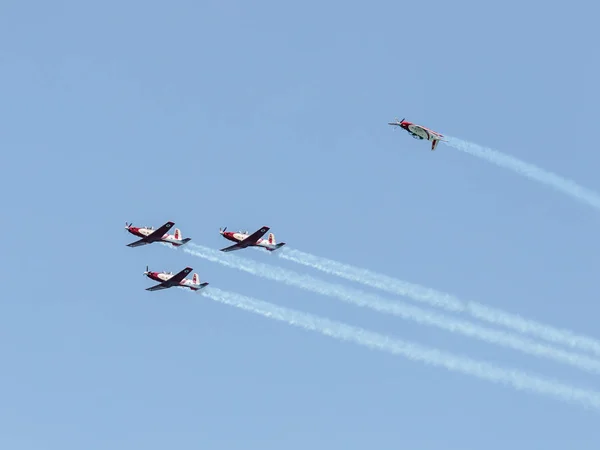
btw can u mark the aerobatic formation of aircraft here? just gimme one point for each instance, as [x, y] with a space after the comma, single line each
[419, 132]
[149, 235]
[243, 240]
[168, 280]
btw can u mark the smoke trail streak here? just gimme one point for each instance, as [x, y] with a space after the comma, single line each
[517, 379]
[442, 300]
[405, 311]
[529, 170]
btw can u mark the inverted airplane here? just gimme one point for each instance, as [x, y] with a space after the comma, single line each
[243, 240]
[419, 132]
[149, 235]
[168, 280]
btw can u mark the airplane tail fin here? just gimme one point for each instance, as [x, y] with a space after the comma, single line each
[272, 239]
[178, 236]
[434, 144]
[197, 285]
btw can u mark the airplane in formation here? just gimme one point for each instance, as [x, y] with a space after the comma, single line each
[243, 240]
[168, 280]
[149, 235]
[419, 132]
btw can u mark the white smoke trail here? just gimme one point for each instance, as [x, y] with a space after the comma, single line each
[517, 379]
[529, 170]
[405, 311]
[442, 300]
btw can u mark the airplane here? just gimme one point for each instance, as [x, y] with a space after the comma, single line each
[168, 280]
[242, 240]
[419, 132]
[150, 235]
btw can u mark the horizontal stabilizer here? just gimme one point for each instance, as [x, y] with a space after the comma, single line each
[276, 247]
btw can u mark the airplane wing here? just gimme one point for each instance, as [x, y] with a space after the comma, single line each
[256, 236]
[158, 287]
[233, 247]
[138, 243]
[175, 279]
[158, 233]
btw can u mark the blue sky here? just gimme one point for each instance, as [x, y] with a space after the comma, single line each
[241, 115]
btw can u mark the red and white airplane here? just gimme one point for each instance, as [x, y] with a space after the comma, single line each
[168, 280]
[419, 132]
[149, 235]
[242, 240]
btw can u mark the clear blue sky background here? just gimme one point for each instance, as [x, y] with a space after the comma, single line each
[246, 114]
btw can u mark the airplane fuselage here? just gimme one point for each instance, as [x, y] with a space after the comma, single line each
[143, 232]
[161, 277]
[239, 237]
[419, 132]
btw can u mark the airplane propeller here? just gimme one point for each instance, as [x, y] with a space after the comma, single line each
[397, 122]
